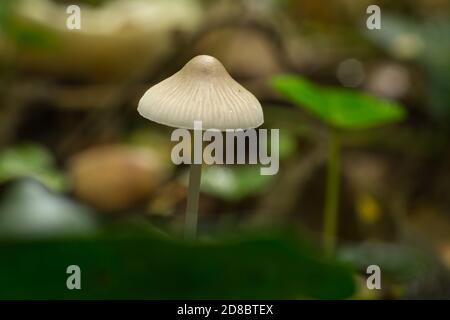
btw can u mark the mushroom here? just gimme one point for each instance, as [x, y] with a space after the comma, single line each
[201, 91]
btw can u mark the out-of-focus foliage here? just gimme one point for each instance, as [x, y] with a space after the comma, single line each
[339, 108]
[21, 32]
[427, 43]
[401, 263]
[31, 160]
[234, 183]
[138, 32]
[239, 182]
[29, 210]
[144, 266]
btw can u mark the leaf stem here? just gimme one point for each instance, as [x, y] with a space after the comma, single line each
[332, 193]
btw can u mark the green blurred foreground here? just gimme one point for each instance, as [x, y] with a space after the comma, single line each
[141, 265]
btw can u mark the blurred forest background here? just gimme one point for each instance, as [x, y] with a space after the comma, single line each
[85, 180]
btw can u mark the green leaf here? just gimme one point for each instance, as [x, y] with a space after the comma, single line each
[399, 262]
[24, 32]
[426, 43]
[234, 183]
[340, 108]
[30, 160]
[266, 266]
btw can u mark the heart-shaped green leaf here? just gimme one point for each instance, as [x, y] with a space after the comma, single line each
[340, 108]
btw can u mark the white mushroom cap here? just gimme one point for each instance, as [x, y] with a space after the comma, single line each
[201, 91]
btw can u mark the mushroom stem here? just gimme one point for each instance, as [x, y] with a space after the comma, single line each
[332, 193]
[190, 227]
